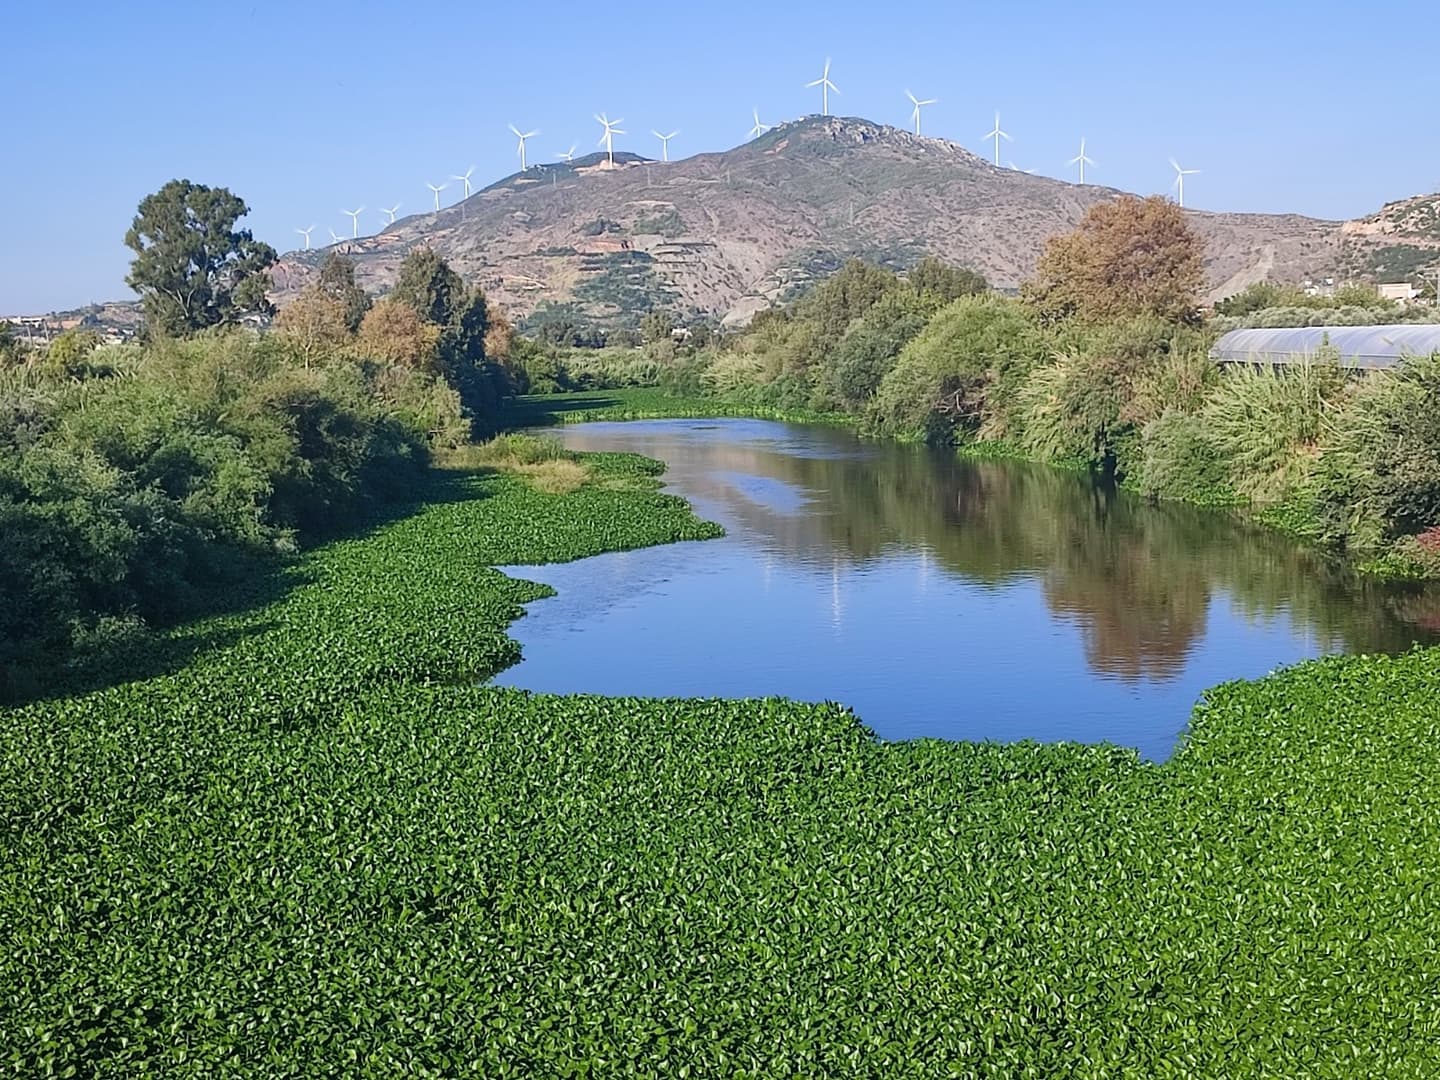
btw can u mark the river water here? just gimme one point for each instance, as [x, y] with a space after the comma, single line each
[939, 597]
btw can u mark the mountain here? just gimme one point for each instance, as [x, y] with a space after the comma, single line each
[726, 234]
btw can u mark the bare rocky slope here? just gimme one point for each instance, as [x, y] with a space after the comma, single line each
[723, 235]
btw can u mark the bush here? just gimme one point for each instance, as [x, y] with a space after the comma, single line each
[1180, 462]
[1268, 424]
[961, 376]
[1381, 470]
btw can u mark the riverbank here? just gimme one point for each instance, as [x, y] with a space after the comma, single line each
[315, 839]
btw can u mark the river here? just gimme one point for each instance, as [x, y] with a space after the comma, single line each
[940, 597]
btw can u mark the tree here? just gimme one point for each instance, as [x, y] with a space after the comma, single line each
[337, 280]
[315, 323]
[945, 281]
[656, 326]
[429, 287]
[1130, 256]
[394, 333]
[192, 267]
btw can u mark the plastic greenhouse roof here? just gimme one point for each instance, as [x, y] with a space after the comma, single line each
[1359, 346]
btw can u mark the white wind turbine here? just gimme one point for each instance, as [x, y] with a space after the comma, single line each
[612, 128]
[1081, 160]
[306, 233]
[436, 189]
[997, 135]
[825, 87]
[465, 179]
[759, 128]
[664, 143]
[390, 210]
[1180, 175]
[919, 104]
[354, 216]
[568, 156]
[336, 238]
[1011, 164]
[522, 136]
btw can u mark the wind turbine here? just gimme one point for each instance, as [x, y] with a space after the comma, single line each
[306, 233]
[612, 128]
[354, 216]
[997, 135]
[336, 238]
[825, 87]
[759, 128]
[664, 143]
[1028, 172]
[522, 136]
[1180, 175]
[391, 211]
[1081, 160]
[437, 189]
[568, 156]
[465, 179]
[918, 105]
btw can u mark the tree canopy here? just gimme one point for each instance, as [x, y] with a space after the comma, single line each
[1130, 256]
[193, 268]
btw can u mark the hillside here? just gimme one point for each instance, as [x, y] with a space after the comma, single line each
[728, 233]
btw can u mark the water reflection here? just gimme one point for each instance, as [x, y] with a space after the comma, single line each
[908, 540]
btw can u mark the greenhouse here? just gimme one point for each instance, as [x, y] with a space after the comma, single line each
[1358, 346]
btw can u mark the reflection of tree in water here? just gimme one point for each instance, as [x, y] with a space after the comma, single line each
[1137, 578]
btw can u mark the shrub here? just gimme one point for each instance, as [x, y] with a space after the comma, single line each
[961, 376]
[1268, 424]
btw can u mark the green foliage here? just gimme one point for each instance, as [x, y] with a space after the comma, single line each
[600, 226]
[337, 280]
[1381, 467]
[1268, 424]
[657, 326]
[961, 376]
[945, 282]
[320, 846]
[1181, 462]
[192, 267]
[666, 222]
[121, 494]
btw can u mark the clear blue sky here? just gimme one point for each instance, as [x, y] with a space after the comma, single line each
[308, 106]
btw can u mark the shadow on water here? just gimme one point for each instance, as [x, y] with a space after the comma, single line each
[245, 583]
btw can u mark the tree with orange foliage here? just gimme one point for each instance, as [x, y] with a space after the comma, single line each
[1131, 256]
[392, 331]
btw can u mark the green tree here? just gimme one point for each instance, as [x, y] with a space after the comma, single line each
[192, 267]
[337, 280]
[657, 326]
[429, 286]
[945, 281]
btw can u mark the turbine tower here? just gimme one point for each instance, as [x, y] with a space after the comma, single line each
[1081, 160]
[522, 136]
[918, 106]
[1179, 184]
[664, 143]
[825, 87]
[465, 179]
[568, 156]
[997, 135]
[612, 128]
[354, 221]
[436, 189]
[759, 128]
[390, 210]
[306, 233]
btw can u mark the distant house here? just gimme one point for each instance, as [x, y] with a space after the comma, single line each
[1401, 292]
[1362, 347]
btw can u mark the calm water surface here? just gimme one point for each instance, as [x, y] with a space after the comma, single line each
[939, 597]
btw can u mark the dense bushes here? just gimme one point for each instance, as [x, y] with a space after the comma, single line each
[131, 475]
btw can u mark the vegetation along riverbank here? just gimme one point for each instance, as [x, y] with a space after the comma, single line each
[260, 814]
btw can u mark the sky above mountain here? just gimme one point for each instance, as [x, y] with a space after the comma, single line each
[308, 109]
